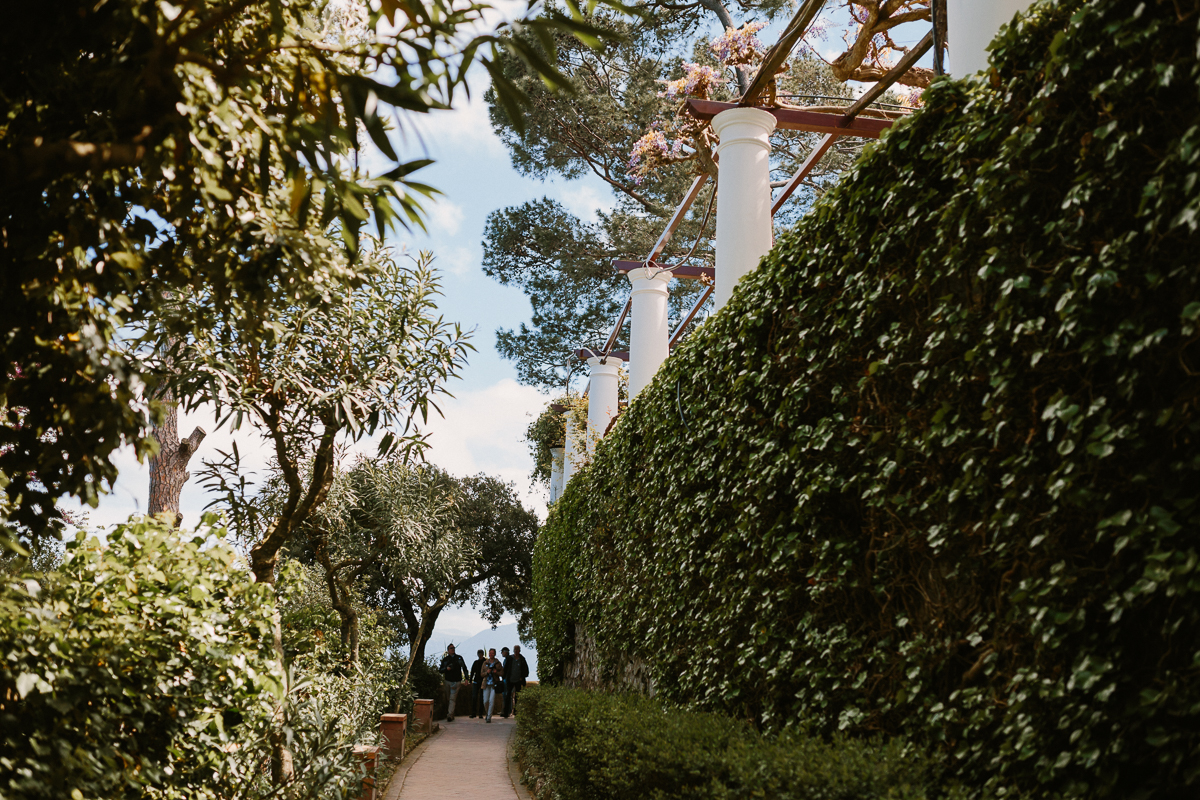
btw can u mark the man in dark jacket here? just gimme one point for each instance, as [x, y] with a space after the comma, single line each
[520, 671]
[477, 683]
[509, 662]
[454, 670]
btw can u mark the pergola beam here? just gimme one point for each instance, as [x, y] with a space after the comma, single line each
[684, 272]
[695, 309]
[868, 97]
[794, 183]
[677, 218]
[584, 353]
[795, 119]
[616, 330]
[680, 212]
[894, 74]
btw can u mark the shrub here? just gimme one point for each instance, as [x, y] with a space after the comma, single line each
[145, 667]
[597, 746]
[933, 470]
[427, 682]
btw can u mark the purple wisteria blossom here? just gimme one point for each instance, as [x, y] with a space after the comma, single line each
[697, 81]
[737, 47]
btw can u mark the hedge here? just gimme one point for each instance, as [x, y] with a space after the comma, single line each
[933, 471]
[579, 745]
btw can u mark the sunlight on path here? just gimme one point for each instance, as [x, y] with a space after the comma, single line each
[468, 758]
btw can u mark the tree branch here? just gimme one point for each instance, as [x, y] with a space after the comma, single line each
[188, 446]
[43, 161]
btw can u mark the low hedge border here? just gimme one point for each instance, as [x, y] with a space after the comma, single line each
[580, 745]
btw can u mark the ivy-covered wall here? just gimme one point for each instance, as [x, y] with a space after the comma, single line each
[934, 471]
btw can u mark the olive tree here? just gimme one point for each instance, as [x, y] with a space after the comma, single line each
[371, 358]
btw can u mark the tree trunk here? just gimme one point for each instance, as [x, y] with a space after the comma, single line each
[168, 470]
[722, 13]
[428, 620]
[338, 599]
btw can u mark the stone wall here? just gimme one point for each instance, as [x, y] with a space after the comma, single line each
[586, 669]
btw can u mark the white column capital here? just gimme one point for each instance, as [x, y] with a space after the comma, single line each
[613, 367]
[649, 279]
[744, 126]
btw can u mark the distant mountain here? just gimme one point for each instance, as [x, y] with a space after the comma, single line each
[501, 636]
[444, 636]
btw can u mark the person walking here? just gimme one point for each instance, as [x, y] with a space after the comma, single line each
[520, 673]
[476, 684]
[454, 670]
[509, 662]
[493, 676]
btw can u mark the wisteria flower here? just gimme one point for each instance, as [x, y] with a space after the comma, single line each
[911, 96]
[654, 151]
[648, 153]
[735, 47]
[697, 81]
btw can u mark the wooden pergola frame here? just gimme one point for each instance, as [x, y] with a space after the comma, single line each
[834, 126]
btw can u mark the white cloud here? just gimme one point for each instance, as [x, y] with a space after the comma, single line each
[584, 200]
[445, 217]
[484, 431]
[462, 132]
[457, 261]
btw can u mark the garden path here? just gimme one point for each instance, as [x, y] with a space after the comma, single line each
[467, 758]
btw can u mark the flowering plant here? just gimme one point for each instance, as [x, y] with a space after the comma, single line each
[739, 47]
[697, 81]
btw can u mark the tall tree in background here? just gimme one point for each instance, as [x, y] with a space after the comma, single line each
[493, 534]
[561, 261]
[411, 540]
[381, 516]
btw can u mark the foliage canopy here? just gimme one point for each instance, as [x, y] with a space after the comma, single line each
[146, 147]
[145, 667]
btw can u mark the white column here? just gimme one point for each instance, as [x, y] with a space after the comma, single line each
[649, 339]
[602, 397]
[556, 472]
[744, 233]
[573, 457]
[970, 27]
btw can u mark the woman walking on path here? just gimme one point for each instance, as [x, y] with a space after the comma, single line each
[493, 675]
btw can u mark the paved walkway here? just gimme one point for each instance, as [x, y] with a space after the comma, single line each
[467, 758]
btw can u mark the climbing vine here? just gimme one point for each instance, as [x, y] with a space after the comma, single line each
[932, 471]
[549, 430]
